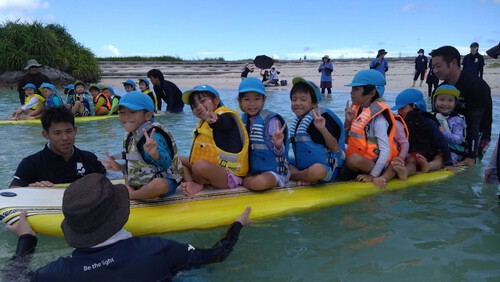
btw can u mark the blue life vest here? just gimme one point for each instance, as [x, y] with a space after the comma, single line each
[307, 152]
[53, 101]
[262, 158]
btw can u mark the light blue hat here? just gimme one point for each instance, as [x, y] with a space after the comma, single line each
[29, 85]
[69, 86]
[200, 88]
[369, 77]
[130, 82]
[146, 80]
[104, 87]
[136, 101]
[409, 96]
[309, 83]
[50, 86]
[252, 84]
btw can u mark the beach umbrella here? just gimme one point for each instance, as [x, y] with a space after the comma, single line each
[494, 52]
[263, 62]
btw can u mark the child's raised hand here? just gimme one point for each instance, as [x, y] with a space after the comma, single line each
[319, 120]
[151, 146]
[207, 115]
[279, 135]
[349, 113]
[110, 163]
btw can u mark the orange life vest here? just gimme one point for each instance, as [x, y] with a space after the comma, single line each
[96, 99]
[359, 143]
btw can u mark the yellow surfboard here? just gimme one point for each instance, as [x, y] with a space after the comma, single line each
[37, 121]
[210, 208]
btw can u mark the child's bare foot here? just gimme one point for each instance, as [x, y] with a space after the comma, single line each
[400, 170]
[303, 183]
[380, 182]
[191, 188]
[422, 163]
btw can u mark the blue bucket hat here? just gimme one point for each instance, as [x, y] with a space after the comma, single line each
[200, 88]
[409, 96]
[145, 81]
[252, 84]
[104, 87]
[29, 85]
[309, 83]
[369, 77]
[136, 101]
[50, 86]
[130, 82]
[69, 86]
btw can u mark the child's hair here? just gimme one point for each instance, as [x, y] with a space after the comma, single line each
[302, 87]
[201, 94]
[368, 88]
[156, 73]
[56, 115]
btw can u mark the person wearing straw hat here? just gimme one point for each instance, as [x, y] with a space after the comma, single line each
[326, 69]
[95, 212]
[33, 76]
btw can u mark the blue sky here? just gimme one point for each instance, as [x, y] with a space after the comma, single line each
[197, 29]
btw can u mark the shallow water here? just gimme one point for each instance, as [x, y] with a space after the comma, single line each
[443, 231]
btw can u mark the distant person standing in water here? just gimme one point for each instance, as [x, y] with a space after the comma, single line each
[380, 63]
[167, 91]
[246, 70]
[326, 69]
[33, 76]
[420, 67]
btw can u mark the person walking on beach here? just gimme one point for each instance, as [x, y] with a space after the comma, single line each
[95, 212]
[420, 67]
[326, 69]
[246, 70]
[473, 62]
[380, 63]
[167, 91]
[474, 101]
[33, 76]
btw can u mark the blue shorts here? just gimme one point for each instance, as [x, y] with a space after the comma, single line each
[172, 187]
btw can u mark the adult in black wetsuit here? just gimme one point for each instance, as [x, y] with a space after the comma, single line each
[474, 101]
[167, 91]
[95, 212]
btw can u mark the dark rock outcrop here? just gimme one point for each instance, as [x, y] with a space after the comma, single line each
[57, 77]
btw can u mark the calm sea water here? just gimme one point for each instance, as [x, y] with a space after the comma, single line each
[443, 231]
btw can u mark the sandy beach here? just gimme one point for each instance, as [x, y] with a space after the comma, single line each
[226, 75]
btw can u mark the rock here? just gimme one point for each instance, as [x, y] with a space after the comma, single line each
[57, 77]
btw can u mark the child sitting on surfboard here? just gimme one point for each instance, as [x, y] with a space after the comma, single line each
[112, 97]
[219, 154]
[81, 103]
[101, 101]
[316, 136]
[452, 124]
[144, 87]
[268, 133]
[370, 127]
[32, 102]
[152, 166]
[428, 147]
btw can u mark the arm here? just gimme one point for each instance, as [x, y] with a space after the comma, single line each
[456, 133]
[25, 174]
[380, 126]
[167, 89]
[481, 66]
[164, 159]
[402, 140]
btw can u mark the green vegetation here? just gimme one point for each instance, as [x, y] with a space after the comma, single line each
[50, 45]
[494, 65]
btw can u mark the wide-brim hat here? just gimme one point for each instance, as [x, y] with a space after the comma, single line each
[200, 88]
[94, 210]
[136, 101]
[32, 63]
[408, 96]
[369, 77]
[312, 85]
[494, 52]
[252, 84]
[381, 51]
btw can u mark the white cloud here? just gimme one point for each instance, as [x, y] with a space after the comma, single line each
[114, 51]
[23, 4]
[408, 7]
